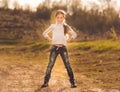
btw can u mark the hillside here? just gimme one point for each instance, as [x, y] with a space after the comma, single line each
[18, 26]
[24, 26]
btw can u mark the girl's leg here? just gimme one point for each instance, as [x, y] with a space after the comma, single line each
[64, 55]
[52, 59]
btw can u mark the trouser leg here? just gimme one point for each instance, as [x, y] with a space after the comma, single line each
[64, 55]
[52, 59]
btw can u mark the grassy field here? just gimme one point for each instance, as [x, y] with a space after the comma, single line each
[96, 65]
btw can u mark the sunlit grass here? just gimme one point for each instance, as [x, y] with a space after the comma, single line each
[101, 45]
[7, 46]
[34, 45]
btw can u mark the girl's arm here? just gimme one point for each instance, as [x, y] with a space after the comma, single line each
[72, 33]
[45, 33]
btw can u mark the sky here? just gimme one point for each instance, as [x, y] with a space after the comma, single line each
[32, 3]
[101, 4]
[88, 3]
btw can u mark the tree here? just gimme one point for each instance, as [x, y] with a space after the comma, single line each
[16, 5]
[5, 4]
[47, 3]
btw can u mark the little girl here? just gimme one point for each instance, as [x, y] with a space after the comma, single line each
[59, 39]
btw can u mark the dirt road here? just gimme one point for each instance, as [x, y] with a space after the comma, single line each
[28, 77]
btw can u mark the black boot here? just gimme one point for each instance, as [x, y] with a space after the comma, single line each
[44, 85]
[73, 85]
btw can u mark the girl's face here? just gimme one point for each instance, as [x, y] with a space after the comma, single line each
[60, 18]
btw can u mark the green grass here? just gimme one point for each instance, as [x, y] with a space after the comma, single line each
[31, 46]
[7, 46]
[100, 45]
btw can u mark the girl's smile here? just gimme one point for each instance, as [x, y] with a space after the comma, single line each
[60, 18]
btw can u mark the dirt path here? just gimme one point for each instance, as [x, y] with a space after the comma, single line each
[29, 77]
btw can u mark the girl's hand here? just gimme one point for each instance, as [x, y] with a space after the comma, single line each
[70, 40]
[49, 39]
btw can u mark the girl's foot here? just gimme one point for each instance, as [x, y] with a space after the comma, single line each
[73, 86]
[44, 85]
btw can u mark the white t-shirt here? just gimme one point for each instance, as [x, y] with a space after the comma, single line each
[58, 36]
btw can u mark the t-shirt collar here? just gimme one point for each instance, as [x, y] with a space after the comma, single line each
[59, 23]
